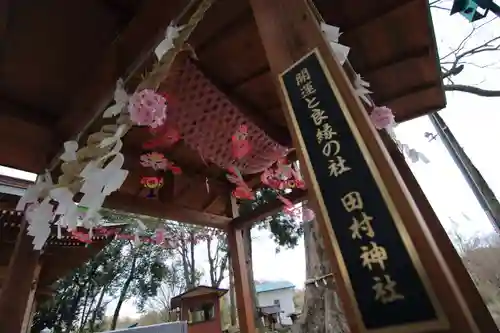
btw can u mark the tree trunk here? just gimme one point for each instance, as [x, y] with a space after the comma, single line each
[232, 300]
[88, 291]
[248, 254]
[86, 312]
[185, 264]
[322, 312]
[192, 244]
[96, 309]
[123, 293]
[74, 308]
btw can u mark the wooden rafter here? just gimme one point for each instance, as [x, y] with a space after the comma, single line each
[268, 209]
[122, 58]
[155, 208]
[277, 133]
[169, 211]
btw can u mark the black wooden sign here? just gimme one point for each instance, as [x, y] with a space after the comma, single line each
[387, 287]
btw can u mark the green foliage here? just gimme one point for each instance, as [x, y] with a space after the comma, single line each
[285, 230]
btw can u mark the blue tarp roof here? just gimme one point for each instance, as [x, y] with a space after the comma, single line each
[273, 285]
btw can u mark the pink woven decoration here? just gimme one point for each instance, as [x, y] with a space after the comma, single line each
[207, 119]
[382, 117]
[147, 108]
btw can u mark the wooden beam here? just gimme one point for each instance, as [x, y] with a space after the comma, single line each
[382, 13]
[155, 208]
[239, 265]
[17, 285]
[4, 21]
[399, 60]
[22, 151]
[268, 209]
[29, 113]
[122, 58]
[219, 181]
[405, 92]
[275, 132]
[289, 31]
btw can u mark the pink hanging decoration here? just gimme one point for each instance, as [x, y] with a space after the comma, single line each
[163, 137]
[382, 117]
[147, 108]
[242, 191]
[240, 143]
[173, 168]
[152, 184]
[81, 236]
[159, 236]
[284, 176]
[307, 214]
[154, 160]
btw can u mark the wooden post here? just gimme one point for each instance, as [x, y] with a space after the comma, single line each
[17, 288]
[244, 297]
[371, 224]
[30, 308]
[475, 302]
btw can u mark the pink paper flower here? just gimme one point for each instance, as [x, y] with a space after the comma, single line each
[154, 160]
[382, 117]
[147, 108]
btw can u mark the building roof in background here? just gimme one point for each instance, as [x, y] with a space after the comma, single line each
[196, 292]
[273, 285]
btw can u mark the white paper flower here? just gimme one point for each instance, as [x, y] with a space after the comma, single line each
[70, 148]
[33, 192]
[121, 99]
[332, 34]
[115, 139]
[361, 89]
[100, 182]
[39, 217]
[168, 43]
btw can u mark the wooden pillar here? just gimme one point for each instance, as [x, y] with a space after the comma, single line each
[458, 270]
[31, 303]
[16, 296]
[390, 273]
[244, 297]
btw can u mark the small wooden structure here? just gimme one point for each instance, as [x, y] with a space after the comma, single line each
[200, 307]
[59, 64]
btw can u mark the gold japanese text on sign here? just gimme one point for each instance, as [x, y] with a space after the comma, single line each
[362, 230]
[382, 273]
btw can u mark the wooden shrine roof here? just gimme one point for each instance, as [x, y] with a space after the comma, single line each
[59, 63]
[60, 255]
[199, 292]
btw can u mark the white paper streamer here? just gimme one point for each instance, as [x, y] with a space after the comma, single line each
[39, 217]
[121, 99]
[332, 34]
[70, 148]
[168, 43]
[412, 154]
[361, 89]
[34, 192]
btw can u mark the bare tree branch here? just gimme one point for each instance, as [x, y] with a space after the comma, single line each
[472, 90]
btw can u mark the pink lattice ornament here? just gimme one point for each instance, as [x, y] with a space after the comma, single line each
[147, 108]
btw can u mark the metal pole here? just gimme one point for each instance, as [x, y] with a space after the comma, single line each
[495, 9]
[476, 182]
